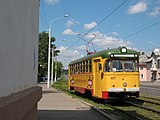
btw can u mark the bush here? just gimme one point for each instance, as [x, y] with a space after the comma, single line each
[61, 84]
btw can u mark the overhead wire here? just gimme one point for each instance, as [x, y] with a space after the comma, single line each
[101, 21]
[107, 16]
[141, 30]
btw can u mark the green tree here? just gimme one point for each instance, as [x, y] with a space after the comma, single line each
[43, 54]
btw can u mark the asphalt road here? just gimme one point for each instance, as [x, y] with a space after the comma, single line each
[150, 88]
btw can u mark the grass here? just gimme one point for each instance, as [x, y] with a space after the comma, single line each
[63, 84]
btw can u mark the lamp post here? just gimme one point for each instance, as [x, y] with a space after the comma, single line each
[52, 66]
[55, 75]
[49, 46]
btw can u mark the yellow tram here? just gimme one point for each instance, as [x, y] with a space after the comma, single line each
[106, 74]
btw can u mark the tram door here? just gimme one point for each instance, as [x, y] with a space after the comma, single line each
[97, 77]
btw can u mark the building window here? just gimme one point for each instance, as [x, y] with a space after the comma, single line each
[141, 67]
[158, 65]
[142, 76]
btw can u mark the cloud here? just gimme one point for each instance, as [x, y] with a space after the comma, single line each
[82, 47]
[155, 12]
[104, 41]
[101, 41]
[114, 33]
[139, 7]
[66, 55]
[52, 1]
[69, 32]
[71, 23]
[90, 25]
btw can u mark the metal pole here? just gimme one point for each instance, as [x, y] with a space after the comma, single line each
[49, 55]
[55, 76]
[49, 47]
[52, 66]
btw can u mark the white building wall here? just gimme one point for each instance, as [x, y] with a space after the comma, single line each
[18, 45]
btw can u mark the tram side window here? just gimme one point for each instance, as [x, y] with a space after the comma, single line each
[76, 69]
[83, 64]
[86, 66]
[71, 69]
[80, 67]
[107, 67]
[90, 65]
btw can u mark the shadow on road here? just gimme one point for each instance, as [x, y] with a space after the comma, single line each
[69, 115]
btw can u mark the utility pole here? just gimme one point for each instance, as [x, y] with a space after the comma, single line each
[55, 76]
[52, 66]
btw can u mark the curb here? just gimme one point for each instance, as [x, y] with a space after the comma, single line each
[98, 110]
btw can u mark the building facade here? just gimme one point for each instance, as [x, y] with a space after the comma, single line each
[19, 93]
[152, 62]
[143, 72]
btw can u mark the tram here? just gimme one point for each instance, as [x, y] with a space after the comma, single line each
[106, 74]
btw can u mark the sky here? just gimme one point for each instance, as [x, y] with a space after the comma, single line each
[100, 24]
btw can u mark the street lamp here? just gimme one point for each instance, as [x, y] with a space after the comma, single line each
[55, 74]
[49, 46]
[52, 66]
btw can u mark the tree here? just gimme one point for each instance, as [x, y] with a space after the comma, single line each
[43, 54]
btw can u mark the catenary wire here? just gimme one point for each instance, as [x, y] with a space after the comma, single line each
[101, 21]
[141, 30]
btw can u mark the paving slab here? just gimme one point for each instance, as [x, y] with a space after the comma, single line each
[55, 105]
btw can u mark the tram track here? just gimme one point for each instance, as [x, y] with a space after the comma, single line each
[128, 107]
[131, 115]
[151, 98]
[143, 107]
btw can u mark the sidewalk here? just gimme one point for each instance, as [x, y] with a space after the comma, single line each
[59, 106]
[54, 100]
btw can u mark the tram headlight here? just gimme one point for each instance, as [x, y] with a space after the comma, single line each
[90, 83]
[72, 81]
[123, 49]
[125, 84]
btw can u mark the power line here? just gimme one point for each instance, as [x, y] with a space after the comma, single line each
[107, 16]
[102, 20]
[142, 30]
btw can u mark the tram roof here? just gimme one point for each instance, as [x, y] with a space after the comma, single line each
[105, 54]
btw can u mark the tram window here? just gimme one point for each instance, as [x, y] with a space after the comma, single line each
[71, 69]
[136, 65]
[90, 65]
[99, 66]
[129, 65]
[81, 67]
[117, 65]
[86, 65]
[76, 68]
[107, 67]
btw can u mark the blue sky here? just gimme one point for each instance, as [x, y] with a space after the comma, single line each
[132, 16]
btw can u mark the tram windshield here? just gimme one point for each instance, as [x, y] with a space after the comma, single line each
[121, 66]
